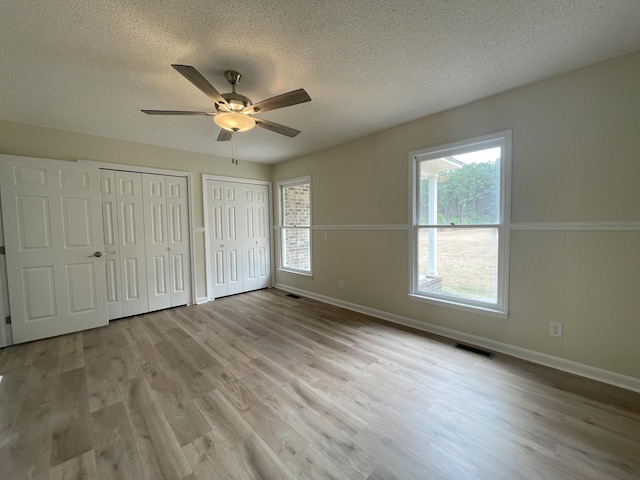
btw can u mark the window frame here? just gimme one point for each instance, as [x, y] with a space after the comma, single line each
[280, 227]
[502, 139]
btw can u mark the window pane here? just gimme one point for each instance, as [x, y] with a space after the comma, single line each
[466, 186]
[296, 248]
[296, 205]
[462, 263]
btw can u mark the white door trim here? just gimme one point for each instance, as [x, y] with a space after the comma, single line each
[163, 171]
[205, 199]
[5, 330]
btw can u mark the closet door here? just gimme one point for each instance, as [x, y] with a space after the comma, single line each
[111, 243]
[216, 220]
[238, 237]
[157, 253]
[225, 221]
[132, 243]
[256, 258]
[249, 239]
[178, 240]
[262, 237]
[234, 230]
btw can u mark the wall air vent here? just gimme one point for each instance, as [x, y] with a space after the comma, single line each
[293, 295]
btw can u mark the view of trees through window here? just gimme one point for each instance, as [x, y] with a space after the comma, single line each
[455, 260]
[467, 195]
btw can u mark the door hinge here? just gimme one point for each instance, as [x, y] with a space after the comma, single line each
[7, 320]
[2, 250]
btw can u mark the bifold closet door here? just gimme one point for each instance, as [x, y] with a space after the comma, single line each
[111, 243]
[255, 241]
[123, 226]
[167, 247]
[225, 245]
[238, 237]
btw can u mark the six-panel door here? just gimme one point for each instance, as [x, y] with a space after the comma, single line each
[55, 251]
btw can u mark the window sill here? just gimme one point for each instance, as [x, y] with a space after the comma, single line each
[302, 273]
[491, 312]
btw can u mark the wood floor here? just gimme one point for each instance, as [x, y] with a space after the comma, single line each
[265, 386]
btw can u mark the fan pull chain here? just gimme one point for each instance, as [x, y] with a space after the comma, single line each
[234, 151]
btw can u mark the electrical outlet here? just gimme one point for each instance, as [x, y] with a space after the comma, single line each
[555, 329]
[341, 284]
[321, 278]
[325, 235]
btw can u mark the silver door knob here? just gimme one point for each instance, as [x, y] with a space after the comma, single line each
[96, 254]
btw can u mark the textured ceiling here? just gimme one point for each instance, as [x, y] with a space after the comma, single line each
[90, 65]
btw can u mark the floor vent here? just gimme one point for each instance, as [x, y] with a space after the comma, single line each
[479, 351]
[293, 295]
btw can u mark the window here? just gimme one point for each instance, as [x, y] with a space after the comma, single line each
[294, 198]
[460, 232]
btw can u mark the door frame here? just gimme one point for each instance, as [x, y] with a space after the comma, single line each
[174, 173]
[205, 198]
[6, 336]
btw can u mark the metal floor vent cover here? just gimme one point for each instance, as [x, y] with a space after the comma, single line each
[293, 295]
[478, 351]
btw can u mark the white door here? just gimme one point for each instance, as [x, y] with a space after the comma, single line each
[238, 237]
[263, 244]
[5, 330]
[216, 238]
[111, 243]
[53, 235]
[256, 257]
[132, 251]
[155, 219]
[249, 240]
[233, 229]
[178, 241]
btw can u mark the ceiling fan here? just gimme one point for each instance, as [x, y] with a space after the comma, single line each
[235, 112]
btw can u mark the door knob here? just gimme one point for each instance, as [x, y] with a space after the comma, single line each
[96, 254]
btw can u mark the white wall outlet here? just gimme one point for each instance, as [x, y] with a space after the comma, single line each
[341, 284]
[555, 329]
[325, 235]
[321, 278]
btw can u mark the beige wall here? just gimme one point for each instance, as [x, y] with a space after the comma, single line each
[32, 141]
[576, 158]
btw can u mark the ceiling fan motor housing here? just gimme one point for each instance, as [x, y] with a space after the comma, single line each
[236, 102]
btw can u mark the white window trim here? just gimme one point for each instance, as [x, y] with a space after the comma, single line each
[500, 309]
[279, 227]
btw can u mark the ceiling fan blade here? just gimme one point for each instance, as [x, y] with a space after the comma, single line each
[280, 101]
[174, 112]
[199, 81]
[276, 127]
[225, 135]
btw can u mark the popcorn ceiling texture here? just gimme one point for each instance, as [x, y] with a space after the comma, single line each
[90, 66]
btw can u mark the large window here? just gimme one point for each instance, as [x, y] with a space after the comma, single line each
[460, 231]
[294, 200]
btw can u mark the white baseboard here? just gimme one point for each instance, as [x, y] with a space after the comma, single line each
[201, 300]
[594, 373]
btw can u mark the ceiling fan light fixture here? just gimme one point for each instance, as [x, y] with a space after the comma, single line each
[234, 122]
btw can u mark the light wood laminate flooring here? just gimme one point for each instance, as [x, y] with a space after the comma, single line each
[264, 386]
